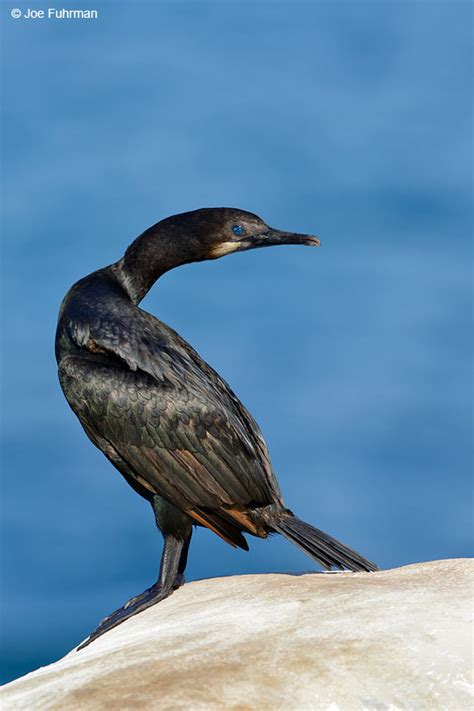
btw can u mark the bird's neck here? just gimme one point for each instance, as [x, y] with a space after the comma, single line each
[152, 254]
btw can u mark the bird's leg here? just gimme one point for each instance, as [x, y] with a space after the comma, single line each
[164, 586]
[165, 580]
[171, 520]
[182, 563]
[171, 577]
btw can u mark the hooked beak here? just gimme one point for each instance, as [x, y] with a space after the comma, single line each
[274, 237]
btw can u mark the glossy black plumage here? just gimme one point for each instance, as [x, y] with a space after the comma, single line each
[166, 420]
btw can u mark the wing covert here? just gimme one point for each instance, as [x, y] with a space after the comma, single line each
[185, 448]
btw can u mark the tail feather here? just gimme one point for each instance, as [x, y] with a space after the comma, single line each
[320, 546]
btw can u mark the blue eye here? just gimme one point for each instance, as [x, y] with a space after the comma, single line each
[238, 230]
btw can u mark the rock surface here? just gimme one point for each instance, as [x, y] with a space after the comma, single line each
[396, 639]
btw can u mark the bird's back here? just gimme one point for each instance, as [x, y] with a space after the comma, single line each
[161, 414]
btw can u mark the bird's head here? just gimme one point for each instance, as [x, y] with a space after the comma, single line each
[217, 231]
[208, 233]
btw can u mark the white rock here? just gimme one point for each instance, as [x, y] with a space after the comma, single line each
[397, 639]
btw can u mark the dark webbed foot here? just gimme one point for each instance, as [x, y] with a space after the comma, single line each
[156, 593]
[178, 527]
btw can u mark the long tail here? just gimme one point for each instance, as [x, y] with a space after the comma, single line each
[319, 546]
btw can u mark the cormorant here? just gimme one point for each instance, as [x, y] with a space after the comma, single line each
[162, 416]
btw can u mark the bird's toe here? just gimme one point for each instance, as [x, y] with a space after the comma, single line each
[137, 604]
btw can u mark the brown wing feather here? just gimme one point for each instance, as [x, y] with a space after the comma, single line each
[188, 451]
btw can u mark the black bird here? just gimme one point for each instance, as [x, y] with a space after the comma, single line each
[164, 418]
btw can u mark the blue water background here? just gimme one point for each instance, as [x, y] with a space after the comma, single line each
[351, 120]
